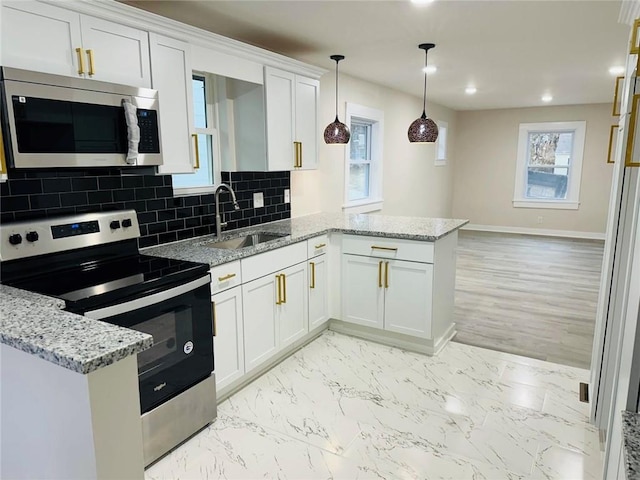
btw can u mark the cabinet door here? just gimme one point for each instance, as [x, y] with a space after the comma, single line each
[293, 311]
[120, 53]
[407, 303]
[318, 285]
[228, 344]
[171, 72]
[307, 124]
[40, 37]
[279, 97]
[362, 290]
[260, 326]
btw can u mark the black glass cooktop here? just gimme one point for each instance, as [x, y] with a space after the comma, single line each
[103, 281]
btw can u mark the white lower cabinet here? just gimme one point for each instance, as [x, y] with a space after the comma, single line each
[293, 313]
[393, 295]
[228, 342]
[318, 289]
[261, 336]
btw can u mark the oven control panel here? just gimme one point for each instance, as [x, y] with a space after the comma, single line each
[52, 235]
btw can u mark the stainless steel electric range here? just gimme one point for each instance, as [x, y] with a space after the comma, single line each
[92, 262]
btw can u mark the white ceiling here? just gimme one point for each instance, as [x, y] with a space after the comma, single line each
[512, 51]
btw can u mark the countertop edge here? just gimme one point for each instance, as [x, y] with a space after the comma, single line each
[631, 444]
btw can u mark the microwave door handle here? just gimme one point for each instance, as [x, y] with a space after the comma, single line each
[133, 131]
[147, 301]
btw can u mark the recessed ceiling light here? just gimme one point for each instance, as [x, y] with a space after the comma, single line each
[547, 97]
[617, 70]
[470, 90]
[421, 2]
[430, 69]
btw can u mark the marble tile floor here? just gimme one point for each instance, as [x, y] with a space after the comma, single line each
[345, 408]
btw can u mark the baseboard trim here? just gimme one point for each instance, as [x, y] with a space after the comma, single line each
[534, 231]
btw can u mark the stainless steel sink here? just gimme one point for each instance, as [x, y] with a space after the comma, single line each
[246, 240]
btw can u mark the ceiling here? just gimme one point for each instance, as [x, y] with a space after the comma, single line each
[513, 52]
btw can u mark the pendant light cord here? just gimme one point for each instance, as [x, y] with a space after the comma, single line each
[424, 96]
[337, 90]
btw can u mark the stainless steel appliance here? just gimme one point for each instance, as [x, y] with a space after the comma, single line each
[56, 121]
[92, 262]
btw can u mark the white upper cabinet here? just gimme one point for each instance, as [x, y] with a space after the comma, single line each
[171, 76]
[45, 38]
[292, 120]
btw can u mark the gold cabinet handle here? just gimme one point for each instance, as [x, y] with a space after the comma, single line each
[629, 162]
[386, 274]
[279, 296]
[284, 288]
[616, 94]
[613, 129]
[389, 249]
[215, 323]
[635, 48]
[298, 160]
[380, 274]
[92, 65]
[321, 245]
[197, 150]
[80, 61]
[313, 275]
[226, 277]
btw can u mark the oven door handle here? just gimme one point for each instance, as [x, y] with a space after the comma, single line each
[147, 301]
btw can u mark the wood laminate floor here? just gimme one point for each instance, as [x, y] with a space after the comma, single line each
[528, 295]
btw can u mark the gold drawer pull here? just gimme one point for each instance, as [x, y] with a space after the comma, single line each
[226, 277]
[386, 274]
[313, 275]
[92, 65]
[633, 121]
[611, 132]
[278, 300]
[389, 249]
[380, 274]
[284, 288]
[615, 97]
[322, 245]
[80, 61]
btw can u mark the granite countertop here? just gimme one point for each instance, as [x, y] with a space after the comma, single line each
[631, 442]
[298, 229]
[36, 324]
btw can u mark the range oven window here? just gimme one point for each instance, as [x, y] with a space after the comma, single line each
[172, 341]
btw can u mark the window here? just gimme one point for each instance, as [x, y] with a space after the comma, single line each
[363, 174]
[441, 144]
[204, 122]
[549, 165]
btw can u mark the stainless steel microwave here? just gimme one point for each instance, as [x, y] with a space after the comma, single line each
[53, 121]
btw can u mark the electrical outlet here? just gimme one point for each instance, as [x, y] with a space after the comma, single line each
[287, 196]
[258, 200]
[540, 219]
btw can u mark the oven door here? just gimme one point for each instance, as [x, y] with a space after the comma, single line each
[181, 323]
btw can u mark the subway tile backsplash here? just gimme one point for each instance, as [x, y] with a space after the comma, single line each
[163, 218]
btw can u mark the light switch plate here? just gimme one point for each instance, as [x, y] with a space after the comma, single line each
[258, 200]
[287, 196]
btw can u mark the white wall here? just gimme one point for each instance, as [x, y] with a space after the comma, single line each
[412, 185]
[484, 178]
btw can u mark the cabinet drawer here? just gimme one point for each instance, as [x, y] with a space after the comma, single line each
[412, 250]
[225, 276]
[317, 246]
[265, 263]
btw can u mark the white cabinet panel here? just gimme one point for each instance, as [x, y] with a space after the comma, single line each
[293, 311]
[307, 125]
[362, 290]
[26, 46]
[279, 98]
[171, 75]
[407, 302]
[260, 326]
[228, 343]
[318, 286]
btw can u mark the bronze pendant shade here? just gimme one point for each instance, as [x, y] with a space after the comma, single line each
[423, 129]
[337, 132]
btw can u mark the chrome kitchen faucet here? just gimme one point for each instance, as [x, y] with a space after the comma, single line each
[219, 223]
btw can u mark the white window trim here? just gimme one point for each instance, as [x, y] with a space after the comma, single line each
[442, 162]
[374, 201]
[572, 202]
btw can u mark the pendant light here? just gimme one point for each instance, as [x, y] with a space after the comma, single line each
[337, 132]
[424, 130]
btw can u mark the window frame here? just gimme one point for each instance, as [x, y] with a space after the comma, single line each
[374, 201]
[572, 200]
[211, 110]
